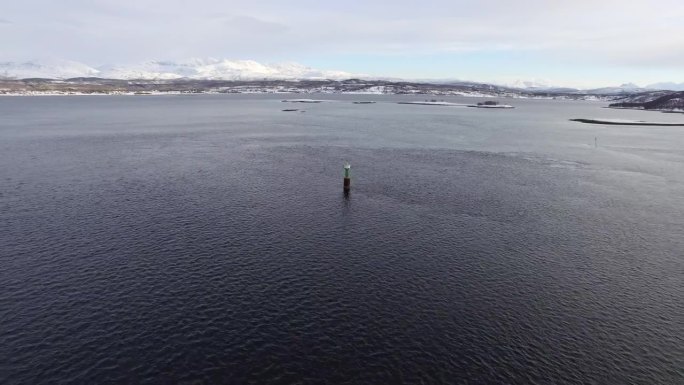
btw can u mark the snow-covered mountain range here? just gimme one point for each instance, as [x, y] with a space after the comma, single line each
[200, 69]
[224, 69]
[626, 88]
[49, 69]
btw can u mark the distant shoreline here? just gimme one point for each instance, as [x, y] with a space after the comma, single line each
[283, 93]
[97, 86]
[667, 111]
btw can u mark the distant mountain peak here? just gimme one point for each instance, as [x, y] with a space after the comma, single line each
[526, 84]
[629, 86]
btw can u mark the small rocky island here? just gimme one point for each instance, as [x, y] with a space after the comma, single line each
[491, 104]
[302, 101]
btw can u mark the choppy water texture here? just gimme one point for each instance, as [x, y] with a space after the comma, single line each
[205, 239]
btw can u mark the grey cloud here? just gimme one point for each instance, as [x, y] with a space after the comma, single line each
[250, 23]
[104, 30]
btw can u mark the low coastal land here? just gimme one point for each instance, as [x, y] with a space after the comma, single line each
[97, 86]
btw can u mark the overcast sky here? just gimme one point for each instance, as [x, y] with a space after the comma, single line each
[573, 42]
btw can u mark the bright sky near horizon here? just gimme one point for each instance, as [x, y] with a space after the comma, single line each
[578, 43]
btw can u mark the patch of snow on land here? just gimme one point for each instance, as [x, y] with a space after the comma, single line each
[491, 106]
[373, 90]
[376, 90]
[435, 103]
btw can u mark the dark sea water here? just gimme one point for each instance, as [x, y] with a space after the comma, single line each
[205, 239]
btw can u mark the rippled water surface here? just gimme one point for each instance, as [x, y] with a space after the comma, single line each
[206, 239]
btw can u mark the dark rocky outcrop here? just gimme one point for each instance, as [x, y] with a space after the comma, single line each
[668, 102]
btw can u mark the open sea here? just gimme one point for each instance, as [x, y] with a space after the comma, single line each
[205, 239]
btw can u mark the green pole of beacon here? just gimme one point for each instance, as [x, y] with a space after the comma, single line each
[347, 178]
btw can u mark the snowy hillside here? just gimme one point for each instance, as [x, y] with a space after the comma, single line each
[219, 69]
[673, 101]
[527, 84]
[52, 69]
